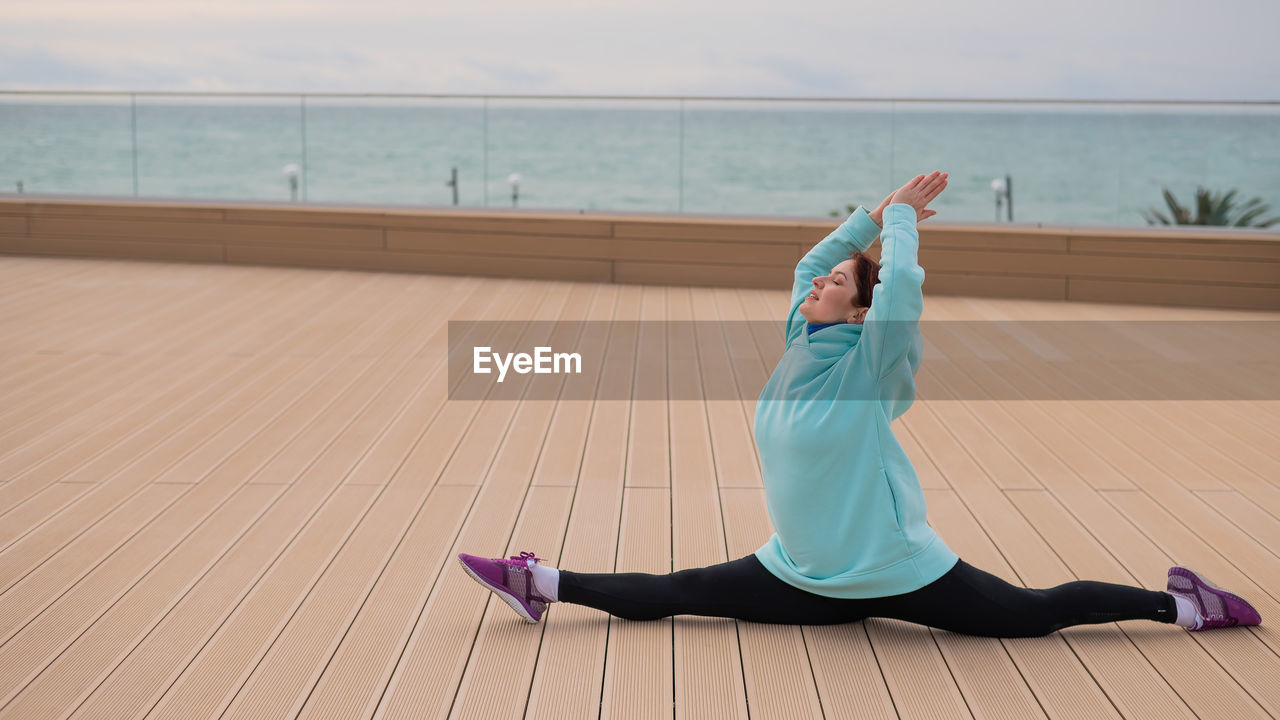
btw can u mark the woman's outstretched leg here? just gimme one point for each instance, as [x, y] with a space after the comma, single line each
[974, 602]
[741, 589]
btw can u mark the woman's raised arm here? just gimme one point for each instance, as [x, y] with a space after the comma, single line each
[854, 234]
[891, 334]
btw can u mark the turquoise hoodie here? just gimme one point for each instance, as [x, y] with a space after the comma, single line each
[843, 497]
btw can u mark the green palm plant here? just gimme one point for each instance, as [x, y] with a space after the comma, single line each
[1212, 209]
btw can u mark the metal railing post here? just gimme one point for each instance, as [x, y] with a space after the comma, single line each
[133, 112]
[485, 141]
[303, 112]
[681, 171]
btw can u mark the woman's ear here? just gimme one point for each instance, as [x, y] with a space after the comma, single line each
[859, 315]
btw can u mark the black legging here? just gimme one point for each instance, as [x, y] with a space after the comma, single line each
[965, 600]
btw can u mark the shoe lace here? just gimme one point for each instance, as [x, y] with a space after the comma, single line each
[1214, 618]
[524, 557]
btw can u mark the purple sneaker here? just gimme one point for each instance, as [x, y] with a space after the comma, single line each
[1216, 606]
[510, 579]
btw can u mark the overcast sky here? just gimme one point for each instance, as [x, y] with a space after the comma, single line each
[1133, 49]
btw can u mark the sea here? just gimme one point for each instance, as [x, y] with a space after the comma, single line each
[1061, 163]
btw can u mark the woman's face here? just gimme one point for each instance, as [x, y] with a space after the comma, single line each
[831, 300]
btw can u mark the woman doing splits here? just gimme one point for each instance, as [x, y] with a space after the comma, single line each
[851, 539]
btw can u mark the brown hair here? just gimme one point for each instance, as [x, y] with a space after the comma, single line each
[867, 272]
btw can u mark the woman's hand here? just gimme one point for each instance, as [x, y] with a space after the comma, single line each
[919, 192]
[877, 215]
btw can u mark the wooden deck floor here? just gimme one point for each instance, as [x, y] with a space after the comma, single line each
[238, 492]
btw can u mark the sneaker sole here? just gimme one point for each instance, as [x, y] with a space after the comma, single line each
[507, 597]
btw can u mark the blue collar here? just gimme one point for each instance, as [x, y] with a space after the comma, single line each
[813, 327]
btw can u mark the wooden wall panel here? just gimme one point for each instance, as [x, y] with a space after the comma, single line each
[1187, 294]
[709, 275]
[1183, 266]
[79, 247]
[992, 238]
[937, 282]
[1173, 247]
[13, 225]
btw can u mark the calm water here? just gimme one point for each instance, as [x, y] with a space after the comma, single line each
[1079, 163]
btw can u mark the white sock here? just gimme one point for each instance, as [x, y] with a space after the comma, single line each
[546, 580]
[1187, 615]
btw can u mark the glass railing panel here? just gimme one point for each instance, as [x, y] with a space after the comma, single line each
[1088, 163]
[395, 150]
[1186, 146]
[793, 158]
[1060, 162]
[619, 155]
[218, 146]
[77, 144]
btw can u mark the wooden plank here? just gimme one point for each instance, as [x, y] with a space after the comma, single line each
[648, 441]
[462, 264]
[1061, 684]
[154, 612]
[1084, 267]
[368, 652]
[501, 635]
[1172, 293]
[942, 282]
[506, 648]
[638, 678]
[1155, 647]
[75, 462]
[848, 676]
[27, 594]
[151, 209]
[125, 323]
[113, 571]
[993, 237]
[708, 660]
[205, 233]
[13, 225]
[64, 683]
[749, 371]
[726, 229]
[775, 661]
[49, 312]
[197, 688]
[91, 246]
[505, 223]
[30, 280]
[1119, 667]
[1248, 662]
[1245, 514]
[731, 439]
[136, 335]
[293, 665]
[568, 680]
[361, 664]
[717, 274]
[423, 677]
[210, 679]
[374, 217]
[580, 246]
[1261, 249]
[558, 246]
[146, 455]
[129, 684]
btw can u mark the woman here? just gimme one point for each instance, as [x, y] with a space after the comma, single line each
[852, 541]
